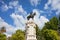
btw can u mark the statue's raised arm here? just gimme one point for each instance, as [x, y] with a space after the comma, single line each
[31, 15]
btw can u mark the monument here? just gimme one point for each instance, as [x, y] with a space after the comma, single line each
[30, 27]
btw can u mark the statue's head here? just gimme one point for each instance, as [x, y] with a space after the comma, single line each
[31, 15]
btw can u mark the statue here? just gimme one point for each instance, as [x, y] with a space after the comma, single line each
[30, 28]
[31, 15]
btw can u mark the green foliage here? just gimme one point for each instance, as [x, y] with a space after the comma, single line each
[19, 35]
[49, 31]
[54, 20]
[2, 36]
[52, 24]
[50, 34]
[39, 34]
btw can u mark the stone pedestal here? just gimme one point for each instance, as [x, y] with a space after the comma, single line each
[30, 30]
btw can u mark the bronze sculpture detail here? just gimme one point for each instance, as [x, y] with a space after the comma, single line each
[31, 15]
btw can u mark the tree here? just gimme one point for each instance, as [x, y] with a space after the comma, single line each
[19, 35]
[2, 36]
[39, 34]
[49, 31]
[52, 24]
[50, 34]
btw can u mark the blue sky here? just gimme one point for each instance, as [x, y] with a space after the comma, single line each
[13, 13]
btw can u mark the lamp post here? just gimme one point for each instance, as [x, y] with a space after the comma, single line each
[3, 29]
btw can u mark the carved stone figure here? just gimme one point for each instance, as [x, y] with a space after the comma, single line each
[30, 28]
[31, 15]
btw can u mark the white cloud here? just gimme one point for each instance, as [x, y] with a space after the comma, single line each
[43, 20]
[55, 5]
[13, 3]
[58, 12]
[4, 7]
[9, 28]
[19, 21]
[40, 19]
[19, 10]
[19, 17]
[48, 3]
[35, 2]
[1, 1]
